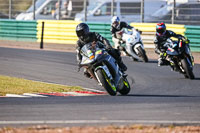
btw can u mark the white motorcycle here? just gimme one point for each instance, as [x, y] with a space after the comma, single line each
[132, 44]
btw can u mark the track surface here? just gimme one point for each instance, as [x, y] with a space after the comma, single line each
[158, 95]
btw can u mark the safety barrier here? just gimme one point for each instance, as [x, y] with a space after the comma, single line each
[18, 30]
[101, 28]
[58, 31]
[63, 32]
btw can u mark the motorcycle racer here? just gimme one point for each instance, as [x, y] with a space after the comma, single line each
[161, 36]
[116, 26]
[85, 36]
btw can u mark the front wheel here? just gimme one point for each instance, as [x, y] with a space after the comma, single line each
[106, 83]
[188, 69]
[126, 89]
[142, 53]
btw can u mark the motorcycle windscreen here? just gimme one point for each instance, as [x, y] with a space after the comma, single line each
[87, 55]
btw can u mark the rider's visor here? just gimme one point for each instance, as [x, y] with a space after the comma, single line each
[115, 24]
[80, 33]
[161, 30]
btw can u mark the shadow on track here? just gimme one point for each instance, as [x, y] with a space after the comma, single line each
[152, 61]
[196, 79]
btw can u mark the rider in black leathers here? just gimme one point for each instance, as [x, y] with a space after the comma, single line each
[85, 36]
[161, 36]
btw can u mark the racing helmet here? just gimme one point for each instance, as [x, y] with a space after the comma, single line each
[160, 29]
[82, 30]
[115, 22]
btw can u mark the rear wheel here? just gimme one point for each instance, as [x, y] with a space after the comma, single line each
[143, 54]
[126, 88]
[106, 83]
[188, 69]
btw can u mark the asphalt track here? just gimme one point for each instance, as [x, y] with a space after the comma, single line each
[158, 95]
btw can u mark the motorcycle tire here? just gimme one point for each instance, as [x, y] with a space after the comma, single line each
[105, 82]
[126, 88]
[188, 70]
[143, 54]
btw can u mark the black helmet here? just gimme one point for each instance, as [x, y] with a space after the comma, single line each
[160, 29]
[82, 30]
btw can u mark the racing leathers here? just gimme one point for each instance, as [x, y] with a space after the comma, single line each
[115, 31]
[161, 49]
[94, 37]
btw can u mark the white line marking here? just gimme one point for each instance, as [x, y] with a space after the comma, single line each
[100, 121]
[77, 94]
[15, 95]
[94, 90]
[33, 95]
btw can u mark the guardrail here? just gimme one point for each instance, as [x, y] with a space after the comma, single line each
[63, 32]
[18, 30]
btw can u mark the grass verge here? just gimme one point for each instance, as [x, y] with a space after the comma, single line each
[19, 86]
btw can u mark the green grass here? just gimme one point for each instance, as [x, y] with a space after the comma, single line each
[19, 86]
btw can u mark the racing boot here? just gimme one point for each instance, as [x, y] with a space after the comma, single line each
[160, 62]
[123, 68]
[163, 62]
[86, 74]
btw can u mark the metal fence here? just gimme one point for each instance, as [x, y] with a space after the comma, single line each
[11, 8]
[169, 11]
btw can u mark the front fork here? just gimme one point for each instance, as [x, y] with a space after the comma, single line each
[189, 54]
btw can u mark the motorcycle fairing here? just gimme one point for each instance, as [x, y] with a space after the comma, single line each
[171, 51]
[133, 41]
[130, 50]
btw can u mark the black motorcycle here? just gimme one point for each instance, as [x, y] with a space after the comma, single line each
[180, 57]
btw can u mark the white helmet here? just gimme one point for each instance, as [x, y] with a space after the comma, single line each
[115, 21]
